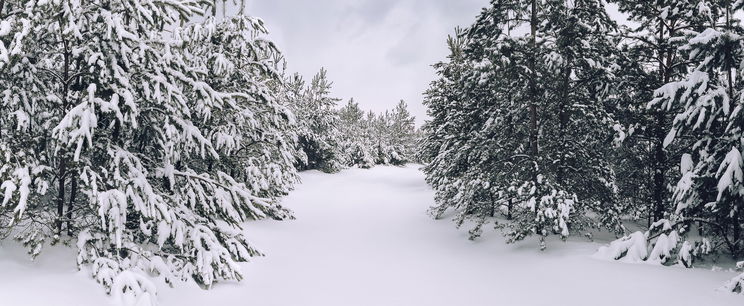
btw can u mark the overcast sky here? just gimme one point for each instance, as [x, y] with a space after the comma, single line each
[376, 51]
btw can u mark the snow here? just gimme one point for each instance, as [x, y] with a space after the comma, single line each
[732, 173]
[686, 163]
[631, 248]
[662, 251]
[363, 237]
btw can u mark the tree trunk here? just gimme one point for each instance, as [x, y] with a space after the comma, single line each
[509, 210]
[563, 117]
[659, 155]
[61, 192]
[729, 73]
[71, 203]
[659, 161]
[533, 86]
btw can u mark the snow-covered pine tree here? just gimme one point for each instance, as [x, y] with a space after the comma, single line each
[318, 124]
[401, 134]
[711, 113]
[259, 142]
[652, 57]
[385, 151]
[709, 100]
[114, 137]
[496, 100]
[575, 120]
[291, 92]
[356, 145]
[461, 144]
[457, 179]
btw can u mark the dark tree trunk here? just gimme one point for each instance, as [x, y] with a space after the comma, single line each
[563, 117]
[61, 193]
[659, 133]
[532, 83]
[509, 210]
[71, 203]
[659, 158]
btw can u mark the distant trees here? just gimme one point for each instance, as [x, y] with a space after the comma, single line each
[356, 139]
[331, 138]
[393, 135]
[548, 113]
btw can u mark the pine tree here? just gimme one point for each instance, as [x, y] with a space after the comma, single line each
[510, 135]
[709, 100]
[318, 125]
[401, 134]
[258, 143]
[143, 143]
[654, 58]
[355, 141]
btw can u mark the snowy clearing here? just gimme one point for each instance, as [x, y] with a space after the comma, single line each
[363, 237]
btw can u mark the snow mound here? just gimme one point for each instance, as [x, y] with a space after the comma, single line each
[632, 248]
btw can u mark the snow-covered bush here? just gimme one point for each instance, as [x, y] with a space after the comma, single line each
[736, 284]
[542, 211]
[631, 248]
[662, 244]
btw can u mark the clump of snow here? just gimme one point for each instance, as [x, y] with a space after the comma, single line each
[684, 257]
[685, 164]
[730, 171]
[662, 251]
[133, 289]
[631, 248]
[736, 284]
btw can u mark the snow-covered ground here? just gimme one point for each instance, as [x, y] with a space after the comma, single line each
[363, 237]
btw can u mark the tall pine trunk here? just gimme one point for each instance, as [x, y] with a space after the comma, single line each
[61, 192]
[658, 155]
[533, 86]
[563, 118]
[534, 149]
[71, 203]
[61, 155]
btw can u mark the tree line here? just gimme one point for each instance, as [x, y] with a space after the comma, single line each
[550, 114]
[333, 137]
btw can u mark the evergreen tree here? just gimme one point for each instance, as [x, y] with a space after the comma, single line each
[318, 125]
[401, 134]
[709, 100]
[355, 141]
[527, 139]
[653, 57]
[709, 104]
[152, 147]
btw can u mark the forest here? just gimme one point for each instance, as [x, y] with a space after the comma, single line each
[553, 116]
[150, 135]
